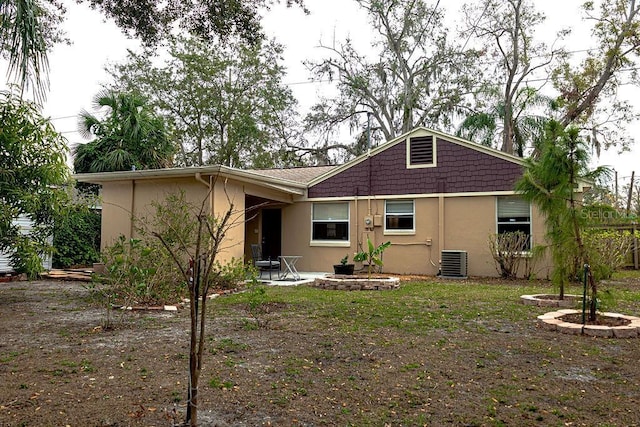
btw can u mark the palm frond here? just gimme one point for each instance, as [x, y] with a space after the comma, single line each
[87, 124]
[21, 35]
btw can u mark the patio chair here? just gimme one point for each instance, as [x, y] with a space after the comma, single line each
[262, 264]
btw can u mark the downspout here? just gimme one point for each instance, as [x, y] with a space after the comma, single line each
[211, 199]
[199, 178]
[357, 220]
[133, 205]
[209, 184]
[370, 230]
[440, 226]
[369, 160]
[369, 183]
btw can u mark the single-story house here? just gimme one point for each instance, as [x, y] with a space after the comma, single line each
[425, 191]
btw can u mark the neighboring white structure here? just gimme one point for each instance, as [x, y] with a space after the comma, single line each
[5, 257]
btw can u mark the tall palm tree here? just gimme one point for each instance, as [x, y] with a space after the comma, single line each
[527, 128]
[27, 31]
[130, 136]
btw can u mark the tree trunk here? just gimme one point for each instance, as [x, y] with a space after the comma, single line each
[593, 304]
[582, 253]
[511, 85]
[192, 386]
[507, 134]
[630, 195]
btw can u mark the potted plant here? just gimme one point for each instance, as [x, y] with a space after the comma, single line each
[343, 267]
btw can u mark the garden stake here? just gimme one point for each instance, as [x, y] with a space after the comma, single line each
[584, 293]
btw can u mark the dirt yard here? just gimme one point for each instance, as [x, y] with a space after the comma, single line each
[58, 367]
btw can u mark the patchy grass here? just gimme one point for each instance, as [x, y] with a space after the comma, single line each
[414, 308]
[430, 353]
[626, 274]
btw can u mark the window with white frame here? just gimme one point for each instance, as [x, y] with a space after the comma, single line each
[330, 221]
[514, 214]
[399, 216]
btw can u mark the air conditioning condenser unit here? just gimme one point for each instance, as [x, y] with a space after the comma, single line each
[453, 264]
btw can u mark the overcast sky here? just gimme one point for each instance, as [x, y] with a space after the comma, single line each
[78, 70]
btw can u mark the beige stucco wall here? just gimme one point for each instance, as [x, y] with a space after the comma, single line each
[296, 232]
[455, 223]
[117, 205]
[542, 267]
[226, 194]
[408, 253]
[252, 233]
[122, 201]
[466, 225]
[149, 191]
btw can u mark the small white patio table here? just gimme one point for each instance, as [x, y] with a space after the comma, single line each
[289, 262]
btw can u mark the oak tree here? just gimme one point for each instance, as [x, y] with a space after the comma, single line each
[515, 110]
[30, 28]
[225, 103]
[589, 93]
[417, 76]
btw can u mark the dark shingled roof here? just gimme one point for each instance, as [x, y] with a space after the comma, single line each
[303, 175]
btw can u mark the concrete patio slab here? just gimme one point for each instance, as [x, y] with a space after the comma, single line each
[305, 277]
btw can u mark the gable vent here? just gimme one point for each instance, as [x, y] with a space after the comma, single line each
[421, 150]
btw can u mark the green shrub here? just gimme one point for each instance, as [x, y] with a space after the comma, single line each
[27, 255]
[141, 272]
[608, 250]
[76, 238]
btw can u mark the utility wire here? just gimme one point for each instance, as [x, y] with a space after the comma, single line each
[321, 81]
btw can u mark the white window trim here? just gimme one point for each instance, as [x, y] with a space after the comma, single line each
[332, 243]
[422, 166]
[393, 232]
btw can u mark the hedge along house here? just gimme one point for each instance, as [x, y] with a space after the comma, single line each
[426, 192]
[25, 225]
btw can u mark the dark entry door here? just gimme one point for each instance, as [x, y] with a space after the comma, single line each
[271, 233]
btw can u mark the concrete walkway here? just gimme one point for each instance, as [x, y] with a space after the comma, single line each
[305, 277]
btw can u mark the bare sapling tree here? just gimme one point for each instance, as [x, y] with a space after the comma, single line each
[508, 251]
[194, 238]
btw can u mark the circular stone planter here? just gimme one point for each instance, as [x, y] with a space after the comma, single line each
[356, 283]
[629, 328]
[549, 300]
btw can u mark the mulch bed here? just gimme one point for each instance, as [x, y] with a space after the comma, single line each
[600, 320]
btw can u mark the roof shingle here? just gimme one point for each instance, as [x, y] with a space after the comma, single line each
[302, 175]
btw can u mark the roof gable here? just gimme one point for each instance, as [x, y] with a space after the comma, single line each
[458, 166]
